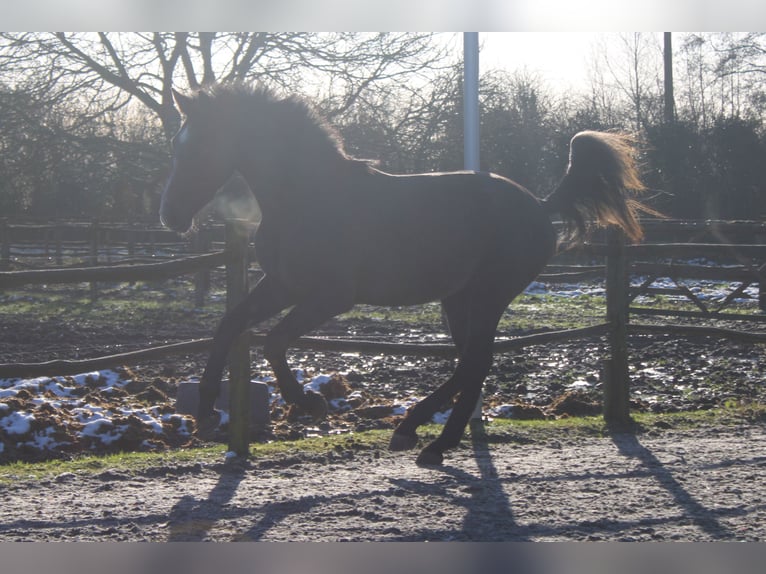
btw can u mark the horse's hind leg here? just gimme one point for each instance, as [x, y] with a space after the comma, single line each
[475, 317]
[405, 436]
[473, 367]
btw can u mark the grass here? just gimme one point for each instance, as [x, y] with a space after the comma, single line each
[118, 303]
[499, 431]
[527, 312]
[176, 299]
[530, 312]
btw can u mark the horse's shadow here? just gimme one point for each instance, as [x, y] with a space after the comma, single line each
[489, 514]
[488, 517]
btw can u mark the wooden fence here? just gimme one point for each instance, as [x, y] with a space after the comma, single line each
[620, 261]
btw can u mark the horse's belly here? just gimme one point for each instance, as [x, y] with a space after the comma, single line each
[415, 278]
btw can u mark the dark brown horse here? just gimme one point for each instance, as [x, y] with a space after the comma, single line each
[471, 240]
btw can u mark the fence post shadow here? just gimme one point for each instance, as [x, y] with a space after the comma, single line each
[627, 443]
[191, 519]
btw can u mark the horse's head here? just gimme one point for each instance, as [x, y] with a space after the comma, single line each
[204, 155]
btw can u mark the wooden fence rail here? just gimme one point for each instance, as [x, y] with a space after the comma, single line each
[61, 367]
[113, 273]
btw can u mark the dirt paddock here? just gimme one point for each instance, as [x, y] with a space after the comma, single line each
[705, 484]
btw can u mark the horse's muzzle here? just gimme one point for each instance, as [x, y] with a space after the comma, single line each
[174, 220]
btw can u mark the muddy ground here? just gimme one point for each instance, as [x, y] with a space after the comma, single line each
[668, 374]
[660, 484]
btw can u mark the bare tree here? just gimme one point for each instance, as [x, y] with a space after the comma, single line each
[405, 126]
[629, 69]
[725, 76]
[741, 70]
[104, 72]
[698, 78]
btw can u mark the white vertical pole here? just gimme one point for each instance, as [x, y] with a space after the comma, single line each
[471, 126]
[471, 100]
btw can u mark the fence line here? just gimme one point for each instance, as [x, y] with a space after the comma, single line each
[65, 367]
[617, 327]
[114, 273]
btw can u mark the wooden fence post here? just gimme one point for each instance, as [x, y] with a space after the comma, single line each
[237, 261]
[616, 377]
[57, 232]
[94, 232]
[5, 244]
[201, 244]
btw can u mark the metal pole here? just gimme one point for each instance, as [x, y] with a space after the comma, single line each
[471, 126]
[670, 111]
[471, 100]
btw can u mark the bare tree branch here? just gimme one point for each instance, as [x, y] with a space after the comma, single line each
[109, 70]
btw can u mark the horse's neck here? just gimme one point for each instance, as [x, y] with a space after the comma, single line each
[299, 180]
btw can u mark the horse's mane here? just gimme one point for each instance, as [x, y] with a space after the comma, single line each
[293, 114]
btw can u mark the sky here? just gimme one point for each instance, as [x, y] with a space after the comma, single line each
[560, 58]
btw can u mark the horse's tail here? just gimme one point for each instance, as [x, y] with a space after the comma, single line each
[600, 177]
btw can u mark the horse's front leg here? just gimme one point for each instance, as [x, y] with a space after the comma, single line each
[265, 300]
[303, 318]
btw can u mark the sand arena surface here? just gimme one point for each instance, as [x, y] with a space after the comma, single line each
[699, 485]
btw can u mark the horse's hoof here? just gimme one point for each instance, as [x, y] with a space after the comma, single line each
[208, 425]
[401, 442]
[315, 405]
[429, 458]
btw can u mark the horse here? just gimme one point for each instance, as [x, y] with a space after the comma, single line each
[471, 240]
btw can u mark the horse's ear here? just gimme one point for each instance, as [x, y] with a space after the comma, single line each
[185, 103]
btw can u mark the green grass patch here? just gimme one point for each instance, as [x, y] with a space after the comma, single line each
[137, 302]
[429, 313]
[526, 312]
[533, 311]
[498, 431]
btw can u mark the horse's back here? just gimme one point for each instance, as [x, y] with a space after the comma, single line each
[424, 237]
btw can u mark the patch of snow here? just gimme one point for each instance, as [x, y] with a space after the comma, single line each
[17, 423]
[317, 382]
[578, 385]
[653, 373]
[400, 409]
[43, 440]
[60, 386]
[502, 411]
[145, 417]
[703, 289]
[340, 405]
[441, 418]
[183, 423]
[63, 392]
[536, 288]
